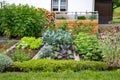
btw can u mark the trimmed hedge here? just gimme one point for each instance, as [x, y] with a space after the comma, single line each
[45, 65]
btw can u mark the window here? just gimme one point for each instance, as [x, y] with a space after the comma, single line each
[0, 4]
[59, 5]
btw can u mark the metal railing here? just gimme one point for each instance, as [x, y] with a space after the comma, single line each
[76, 15]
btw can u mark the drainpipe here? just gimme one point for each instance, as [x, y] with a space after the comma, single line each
[93, 6]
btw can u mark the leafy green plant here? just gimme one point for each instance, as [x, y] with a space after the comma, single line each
[87, 46]
[20, 56]
[46, 65]
[60, 44]
[21, 20]
[29, 42]
[5, 62]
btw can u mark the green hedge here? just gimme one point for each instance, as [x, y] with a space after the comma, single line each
[45, 65]
[21, 20]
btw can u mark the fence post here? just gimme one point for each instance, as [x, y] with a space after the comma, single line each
[76, 16]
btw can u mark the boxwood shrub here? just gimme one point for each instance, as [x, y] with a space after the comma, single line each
[45, 65]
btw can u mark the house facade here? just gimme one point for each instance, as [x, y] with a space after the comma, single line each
[104, 7]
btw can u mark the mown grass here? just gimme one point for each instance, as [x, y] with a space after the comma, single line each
[83, 75]
[116, 15]
[116, 12]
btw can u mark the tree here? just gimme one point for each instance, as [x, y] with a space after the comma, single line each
[116, 4]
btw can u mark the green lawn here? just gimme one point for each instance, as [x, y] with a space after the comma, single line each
[83, 75]
[116, 15]
[116, 12]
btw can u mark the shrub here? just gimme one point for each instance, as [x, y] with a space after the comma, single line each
[87, 46]
[61, 18]
[60, 65]
[5, 62]
[20, 56]
[29, 42]
[81, 18]
[21, 20]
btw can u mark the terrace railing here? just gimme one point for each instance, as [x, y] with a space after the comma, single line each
[76, 15]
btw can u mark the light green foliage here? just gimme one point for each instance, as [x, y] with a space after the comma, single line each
[21, 20]
[29, 42]
[20, 56]
[58, 45]
[5, 62]
[110, 46]
[87, 46]
[46, 65]
[82, 75]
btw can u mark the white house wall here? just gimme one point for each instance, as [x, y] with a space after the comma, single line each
[73, 5]
[36, 3]
[80, 5]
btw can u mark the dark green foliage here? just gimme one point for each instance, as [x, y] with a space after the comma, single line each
[61, 18]
[20, 56]
[87, 46]
[116, 4]
[5, 62]
[58, 45]
[60, 65]
[81, 18]
[29, 42]
[21, 20]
